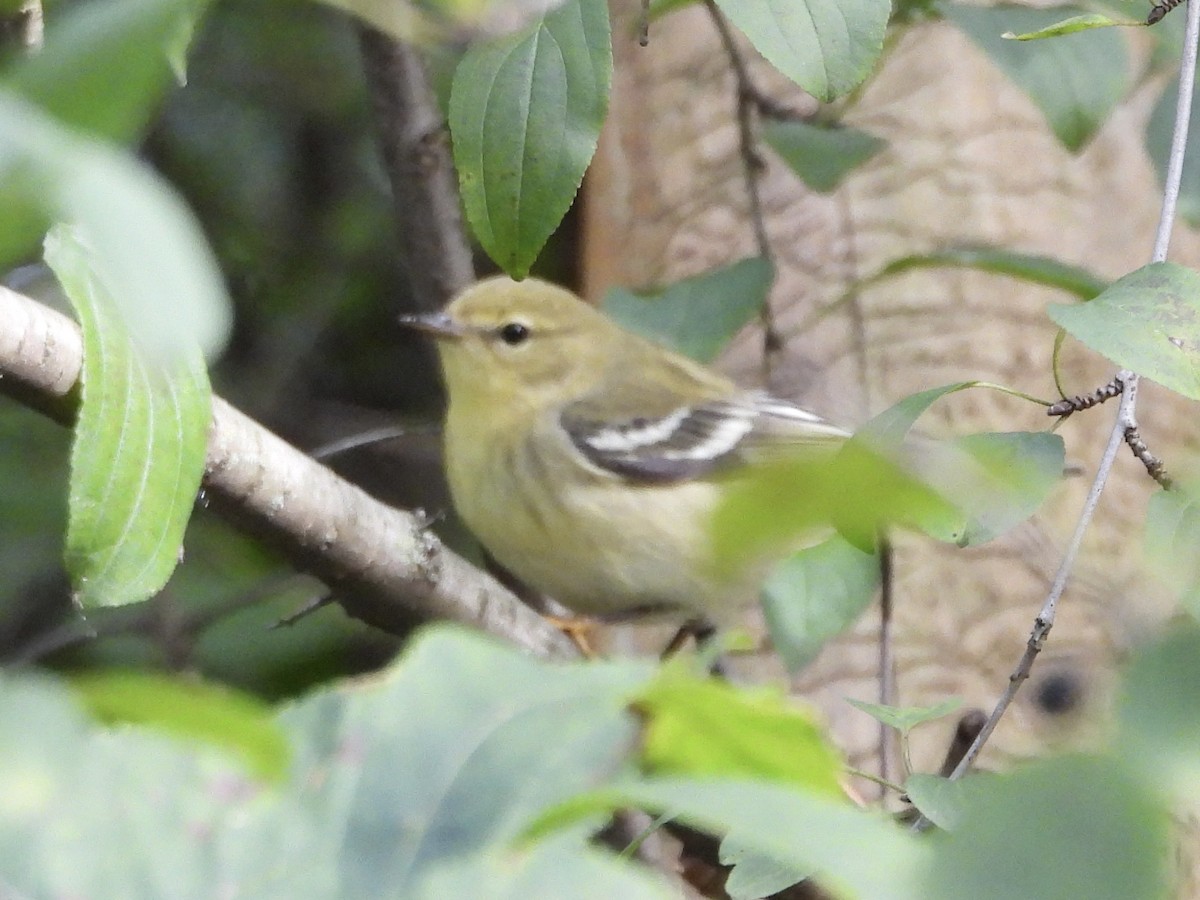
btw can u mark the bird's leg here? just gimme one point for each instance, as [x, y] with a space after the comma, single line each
[702, 631]
[579, 629]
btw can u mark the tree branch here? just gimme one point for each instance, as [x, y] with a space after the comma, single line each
[416, 153]
[384, 565]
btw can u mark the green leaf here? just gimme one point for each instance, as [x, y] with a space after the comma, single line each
[1027, 267]
[820, 155]
[1158, 713]
[1067, 827]
[1071, 25]
[1158, 144]
[1075, 81]
[139, 448]
[997, 480]
[438, 763]
[965, 491]
[815, 595]
[453, 751]
[1171, 541]
[785, 505]
[755, 875]
[190, 709]
[797, 829]
[156, 261]
[697, 316]
[78, 796]
[905, 718]
[828, 47]
[1148, 321]
[525, 114]
[544, 873]
[104, 66]
[889, 428]
[704, 727]
[943, 802]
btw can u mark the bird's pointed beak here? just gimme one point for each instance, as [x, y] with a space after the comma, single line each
[438, 324]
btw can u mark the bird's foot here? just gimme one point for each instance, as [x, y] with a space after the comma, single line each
[581, 630]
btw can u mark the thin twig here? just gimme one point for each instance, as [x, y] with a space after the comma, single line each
[748, 98]
[644, 25]
[887, 659]
[1045, 619]
[1126, 414]
[1080, 402]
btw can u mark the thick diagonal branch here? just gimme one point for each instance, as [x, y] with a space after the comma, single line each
[385, 566]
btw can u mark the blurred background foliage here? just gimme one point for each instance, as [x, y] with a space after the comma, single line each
[271, 142]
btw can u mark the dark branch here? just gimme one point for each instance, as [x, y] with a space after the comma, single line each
[416, 154]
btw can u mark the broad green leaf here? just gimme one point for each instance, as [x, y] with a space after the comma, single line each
[1148, 321]
[545, 872]
[828, 47]
[797, 829]
[997, 480]
[235, 721]
[943, 802]
[708, 728]
[1159, 713]
[815, 595]
[525, 115]
[783, 506]
[1069, 827]
[697, 316]
[1071, 25]
[821, 156]
[155, 258]
[454, 751]
[994, 481]
[1158, 145]
[905, 718]
[429, 770]
[1027, 267]
[1076, 80]
[77, 797]
[105, 65]
[889, 428]
[755, 875]
[1172, 543]
[139, 448]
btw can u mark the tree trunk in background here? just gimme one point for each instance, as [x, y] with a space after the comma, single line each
[969, 160]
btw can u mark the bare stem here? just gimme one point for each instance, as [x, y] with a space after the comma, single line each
[748, 99]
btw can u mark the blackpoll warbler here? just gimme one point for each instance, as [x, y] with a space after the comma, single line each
[588, 460]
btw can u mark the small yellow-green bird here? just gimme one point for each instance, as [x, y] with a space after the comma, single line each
[588, 461]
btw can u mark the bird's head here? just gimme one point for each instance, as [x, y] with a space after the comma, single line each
[503, 341]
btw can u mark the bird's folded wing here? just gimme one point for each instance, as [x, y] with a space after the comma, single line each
[695, 440]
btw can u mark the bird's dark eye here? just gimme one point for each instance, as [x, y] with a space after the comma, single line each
[514, 333]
